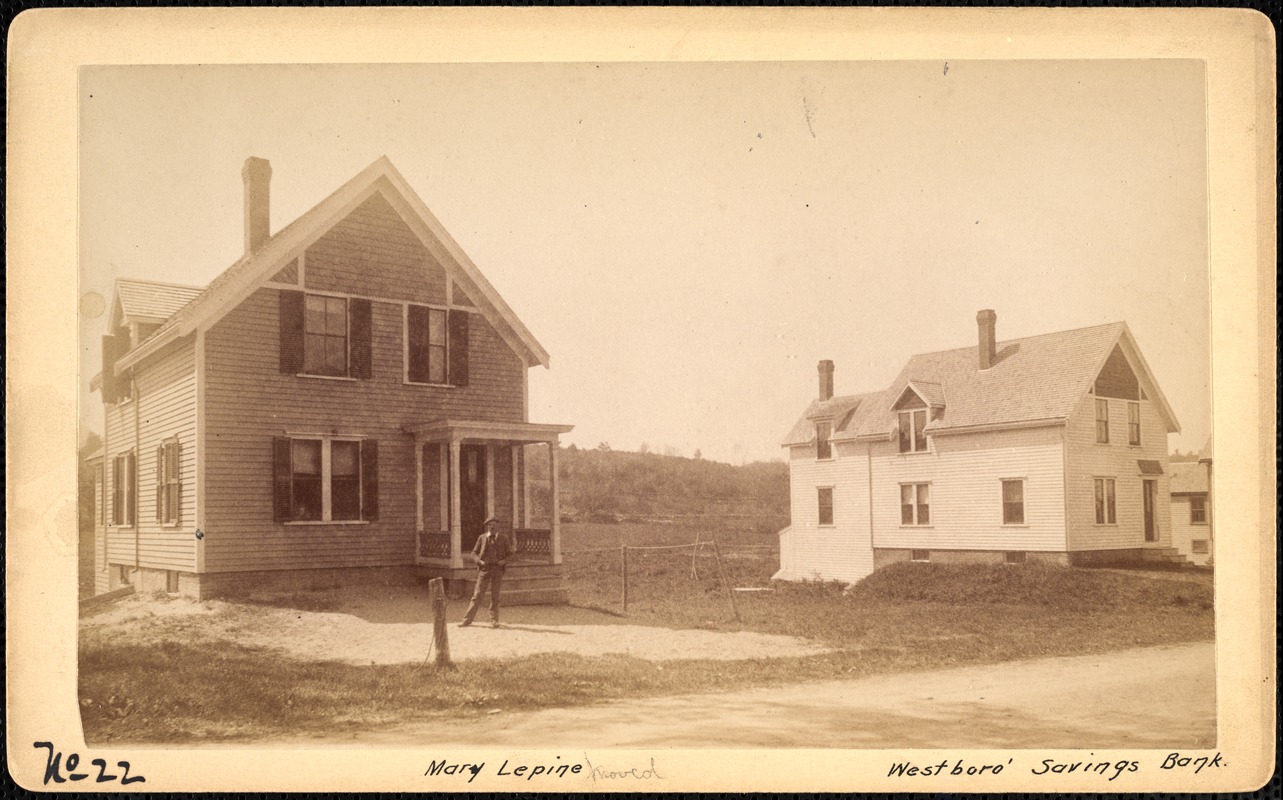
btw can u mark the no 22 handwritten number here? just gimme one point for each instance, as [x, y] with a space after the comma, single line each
[54, 766]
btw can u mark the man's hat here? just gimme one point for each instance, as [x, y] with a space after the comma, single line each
[489, 521]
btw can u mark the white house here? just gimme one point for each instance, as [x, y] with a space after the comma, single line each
[1048, 448]
[1192, 508]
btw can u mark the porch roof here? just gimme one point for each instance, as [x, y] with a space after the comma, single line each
[451, 430]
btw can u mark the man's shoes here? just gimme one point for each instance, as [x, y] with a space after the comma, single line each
[465, 623]
[495, 624]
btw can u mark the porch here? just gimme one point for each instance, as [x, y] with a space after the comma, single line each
[468, 471]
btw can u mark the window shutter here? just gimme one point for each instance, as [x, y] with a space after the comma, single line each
[132, 500]
[458, 343]
[109, 369]
[161, 466]
[370, 479]
[416, 331]
[360, 365]
[282, 480]
[291, 313]
[176, 476]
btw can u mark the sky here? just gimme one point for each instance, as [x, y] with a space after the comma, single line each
[688, 240]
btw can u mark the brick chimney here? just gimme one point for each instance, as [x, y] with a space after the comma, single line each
[987, 322]
[826, 380]
[257, 174]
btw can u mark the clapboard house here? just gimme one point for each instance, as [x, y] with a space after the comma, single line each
[345, 403]
[1191, 487]
[1046, 448]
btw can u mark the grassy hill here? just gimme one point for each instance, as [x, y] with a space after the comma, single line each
[613, 486]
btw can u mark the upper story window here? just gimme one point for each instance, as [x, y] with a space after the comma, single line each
[823, 447]
[436, 345]
[824, 497]
[915, 504]
[913, 435]
[325, 335]
[1197, 510]
[1102, 421]
[1133, 423]
[322, 479]
[169, 487]
[1106, 506]
[1013, 502]
[124, 474]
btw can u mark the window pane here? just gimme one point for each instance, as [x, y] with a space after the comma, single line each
[436, 326]
[822, 447]
[307, 497]
[315, 314]
[335, 356]
[345, 498]
[905, 432]
[906, 505]
[436, 365]
[306, 457]
[314, 354]
[336, 316]
[1110, 508]
[919, 434]
[826, 506]
[344, 457]
[1100, 502]
[924, 504]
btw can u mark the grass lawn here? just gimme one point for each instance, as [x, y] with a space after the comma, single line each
[902, 618]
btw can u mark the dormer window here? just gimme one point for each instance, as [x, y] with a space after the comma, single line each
[823, 447]
[913, 436]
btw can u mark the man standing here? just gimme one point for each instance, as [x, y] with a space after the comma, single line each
[492, 551]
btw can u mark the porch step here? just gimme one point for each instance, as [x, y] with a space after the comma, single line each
[523, 584]
[1166, 555]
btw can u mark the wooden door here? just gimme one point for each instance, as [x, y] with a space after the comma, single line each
[472, 492]
[1150, 499]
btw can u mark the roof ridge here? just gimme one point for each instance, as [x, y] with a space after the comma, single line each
[1001, 342]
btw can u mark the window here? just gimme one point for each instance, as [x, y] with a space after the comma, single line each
[1013, 558]
[1102, 421]
[913, 435]
[436, 345]
[124, 473]
[325, 479]
[1199, 547]
[1106, 509]
[825, 498]
[915, 504]
[1197, 510]
[168, 483]
[920, 555]
[1133, 423]
[325, 335]
[823, 447]
[1013, 502]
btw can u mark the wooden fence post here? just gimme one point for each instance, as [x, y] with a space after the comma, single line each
[730, 593]
[694, 558]
[440, 643]
[623, 571]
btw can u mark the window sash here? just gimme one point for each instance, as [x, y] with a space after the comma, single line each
[325, 335]
[915, 504]
[1102, 421]
[325, 480]
[1106, 502]
[824, 500]
[1198, 511]
[823, 447]
[913, 435]
[1133, 423]
[427, 336]
[1013, 502]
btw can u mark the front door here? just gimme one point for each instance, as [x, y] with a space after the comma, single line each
[1150, 498]
[472, 492]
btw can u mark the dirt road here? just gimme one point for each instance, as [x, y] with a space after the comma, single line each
[1148, 697]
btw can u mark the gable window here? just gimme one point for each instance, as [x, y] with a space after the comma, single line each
[1013, 502]
[825, 502]
[915, 504]
[124, 473]
[1106, 508]
[1133, 423]
[168, 482]
[1102, 421]
[325, 335]
[823, 447]
[324, 479]
[913, 435]
[1197, 510]
[436, 345]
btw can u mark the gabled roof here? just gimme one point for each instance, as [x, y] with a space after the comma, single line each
[1187, 477]
[843, 411]
[149, 301]
[1033, 380]
[243, 277]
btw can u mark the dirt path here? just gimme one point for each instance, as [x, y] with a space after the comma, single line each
[1148, 697]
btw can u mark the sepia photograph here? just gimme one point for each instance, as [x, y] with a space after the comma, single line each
[549, 418]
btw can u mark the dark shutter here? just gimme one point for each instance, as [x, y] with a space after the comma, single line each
[416, 331]
[177, 476]
[291, 332]
[458, 344]
[160, 483]
[282, 479]
[132, 500]
[113, 347]
[370, 479]
[360, 364]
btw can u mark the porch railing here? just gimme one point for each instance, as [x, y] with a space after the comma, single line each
[434, 544]
[534, 542]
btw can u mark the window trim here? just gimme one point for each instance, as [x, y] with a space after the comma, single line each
[900, 505]
[1203, 502]
[1102, 403]
[1107, 481]
[327, 479]
[826, 440]
[1133, 406]
[347, 335]
[1024, 502]
[913, 431]
[819, 519]
[405, 343]
[128, 493]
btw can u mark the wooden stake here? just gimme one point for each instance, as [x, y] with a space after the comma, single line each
[694, 558]
[623, 572]
[440, 643]
[730, 594]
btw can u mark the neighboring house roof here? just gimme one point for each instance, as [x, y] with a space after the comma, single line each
[1187, 477]
[243, 277]
[843, 411]
[1206, 453]
[150, 301]
[1036, 379]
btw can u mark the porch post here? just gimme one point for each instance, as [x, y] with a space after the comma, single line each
[456, 511]
[490, 450]
[513, 471]
[555, 502]
[525, 490]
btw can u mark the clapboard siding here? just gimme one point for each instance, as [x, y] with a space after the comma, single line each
[842, 551]
[406, 271]
[164, 406]
[1087, 460]
[248, 402]
[1185, 532]
[965, 472]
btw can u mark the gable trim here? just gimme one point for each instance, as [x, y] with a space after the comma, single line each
[1145, 376]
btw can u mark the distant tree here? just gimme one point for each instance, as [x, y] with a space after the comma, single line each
[698, 454]
[669, 450]
[604, 447]
[645, 448]
[572, 449]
